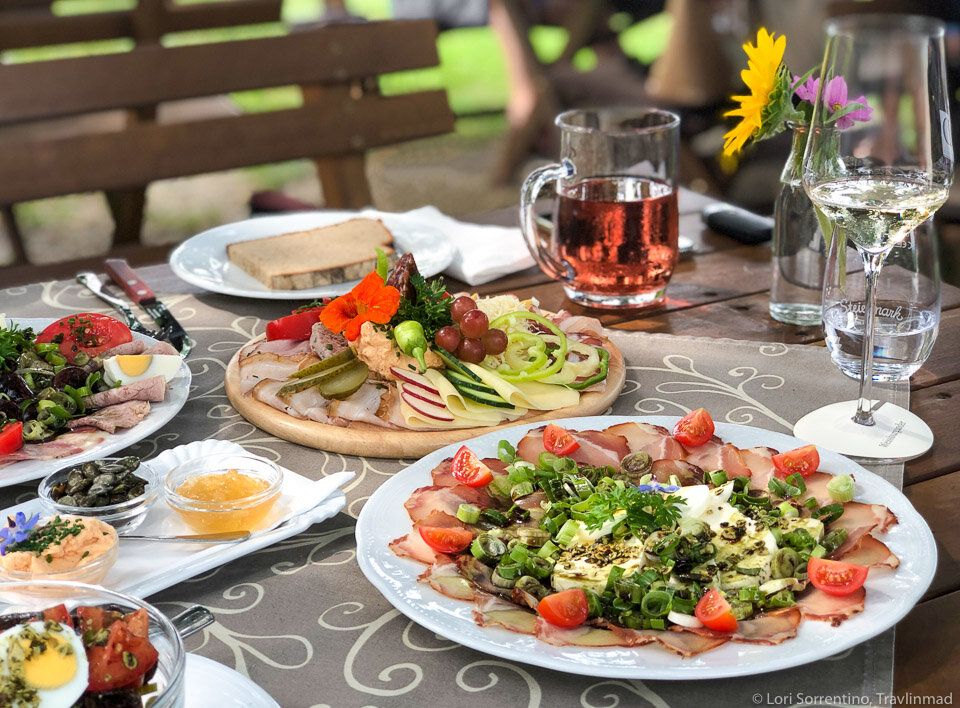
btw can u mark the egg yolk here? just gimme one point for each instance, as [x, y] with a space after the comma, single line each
[51, 668]
[133, 364]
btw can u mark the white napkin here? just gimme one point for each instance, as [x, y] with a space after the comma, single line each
[484, 253]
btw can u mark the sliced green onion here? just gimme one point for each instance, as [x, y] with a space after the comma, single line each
[795, 480]
[532, 536]
[506, 452]
[656, 603]
[718, 478]
[747, 570]
[784, 563]
[548, 550]
[494, 517]
[750, 594]
[567, 533]
[488, 549]
[829, 513]
[523, 489]
[594, 607]
[500, 487]
[833, 540]
[505, 576]
[468, 513]
[784, 598]
[811, 504]
[818, 551]
[616, 573]
[841, 488]
[788, 510]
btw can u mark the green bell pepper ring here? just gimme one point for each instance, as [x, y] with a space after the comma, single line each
[412, 341]
[533, 367]
[597, 377]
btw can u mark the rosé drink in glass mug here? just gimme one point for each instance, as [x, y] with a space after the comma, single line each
[615, 220]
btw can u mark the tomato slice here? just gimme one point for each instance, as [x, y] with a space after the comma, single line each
[566, 609]
[804, 460]
[452, 539]
[58, 613]
[138, 622]
[559, 441]
[836, 577]
[715, 612]
[298, 325]
[11, 437]
[93, 619]
[122, 662]
[87, 332]
[695, 428]
[468, 469]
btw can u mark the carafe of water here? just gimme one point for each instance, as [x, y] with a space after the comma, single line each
[613, 240]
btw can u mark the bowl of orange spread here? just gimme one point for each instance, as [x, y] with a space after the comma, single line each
[221, 493]
[78, 548]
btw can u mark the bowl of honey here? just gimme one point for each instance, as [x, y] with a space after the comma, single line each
[222, 493]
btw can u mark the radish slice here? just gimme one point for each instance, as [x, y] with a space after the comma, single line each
[425, 396]
[425, 408]
[688, 621]
[414, 379]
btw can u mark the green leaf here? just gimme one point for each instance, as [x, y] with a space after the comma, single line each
[383, 264]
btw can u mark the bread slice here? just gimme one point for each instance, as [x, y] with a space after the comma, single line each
[308, 259]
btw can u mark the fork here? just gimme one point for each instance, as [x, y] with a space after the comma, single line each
[92, 283]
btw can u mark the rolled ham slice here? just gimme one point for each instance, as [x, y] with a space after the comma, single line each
[654, 440]
[817, 605]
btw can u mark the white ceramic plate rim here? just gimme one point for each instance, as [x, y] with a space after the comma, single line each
[432, 249]
[160, 414]
[890, 594]
[206, 677]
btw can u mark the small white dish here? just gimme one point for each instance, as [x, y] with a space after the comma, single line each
[210, 683]
[202, 259]
[178, 390]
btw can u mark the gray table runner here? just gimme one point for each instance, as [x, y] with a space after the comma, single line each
[300, 619]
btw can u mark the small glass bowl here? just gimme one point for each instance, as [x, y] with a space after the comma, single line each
[124, 517]
[92, 572]
[244, 514]
[19, 599]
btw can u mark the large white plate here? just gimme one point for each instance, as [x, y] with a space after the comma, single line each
[210, 683]
[202, 259]
[890, 594]
[161, 413]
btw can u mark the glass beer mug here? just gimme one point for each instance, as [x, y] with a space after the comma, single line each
[615, 219]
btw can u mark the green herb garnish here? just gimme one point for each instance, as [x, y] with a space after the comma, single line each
[645, 511]
[430, 306]
[50, 534]
[13, 342]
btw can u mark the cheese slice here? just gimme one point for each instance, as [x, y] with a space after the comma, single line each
[461, 407]
[416, 421]
[529, 394]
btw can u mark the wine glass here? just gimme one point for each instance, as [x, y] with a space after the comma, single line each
[878, 163]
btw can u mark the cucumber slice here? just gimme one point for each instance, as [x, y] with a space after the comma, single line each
[297, 385]
[451, 362]
[345, 382]
[338, 359]
[460, 380]
[495, 400]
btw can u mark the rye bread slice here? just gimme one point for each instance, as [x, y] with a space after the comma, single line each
[309, 259]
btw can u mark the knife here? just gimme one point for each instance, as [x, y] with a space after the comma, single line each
[126, 277]
[92, 283]
[222, 537]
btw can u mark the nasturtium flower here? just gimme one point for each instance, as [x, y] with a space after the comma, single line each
[369, 301]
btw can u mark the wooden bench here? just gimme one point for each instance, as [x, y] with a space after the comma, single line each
[342, 115]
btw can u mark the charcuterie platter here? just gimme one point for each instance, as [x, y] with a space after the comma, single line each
[398, 367]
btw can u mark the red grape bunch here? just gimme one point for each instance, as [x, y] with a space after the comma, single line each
[470, 336]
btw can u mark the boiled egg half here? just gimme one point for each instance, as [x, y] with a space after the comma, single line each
[44, 663]
[127, 368]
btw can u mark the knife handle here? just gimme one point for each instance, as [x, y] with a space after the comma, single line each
[126, 277]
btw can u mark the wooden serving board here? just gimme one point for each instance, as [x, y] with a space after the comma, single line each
[367, 440]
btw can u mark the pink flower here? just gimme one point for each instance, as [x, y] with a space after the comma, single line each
[807, 91]
[835, 99]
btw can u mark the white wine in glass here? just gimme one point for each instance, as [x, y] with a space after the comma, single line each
[877, 166]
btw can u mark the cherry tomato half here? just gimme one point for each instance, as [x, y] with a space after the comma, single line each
[559, 441]
[804, 460]
[298, 325]
[566, 609]
[446, 539]
[836, 577]
[715, 612]
[469, 470]
[695, 428]
[87, 332]
[11, 437]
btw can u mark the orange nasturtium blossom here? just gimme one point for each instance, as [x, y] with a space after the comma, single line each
[370, 301]
[760, 76]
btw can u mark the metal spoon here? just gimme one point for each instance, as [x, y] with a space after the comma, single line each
[192, 620]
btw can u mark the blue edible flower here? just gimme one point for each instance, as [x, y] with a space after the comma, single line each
[17, 530]
[657, 487]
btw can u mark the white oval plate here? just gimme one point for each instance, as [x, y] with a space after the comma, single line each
[210, 683]
[202, 259]
[178, 390]
[890, 594]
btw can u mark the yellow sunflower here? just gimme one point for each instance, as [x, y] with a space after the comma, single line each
[760, 76]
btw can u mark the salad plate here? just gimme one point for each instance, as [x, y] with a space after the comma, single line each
[202, 259]
[210, 683]
[161, 413]
[890, 593]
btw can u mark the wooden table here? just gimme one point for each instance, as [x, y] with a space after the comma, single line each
[722, 291]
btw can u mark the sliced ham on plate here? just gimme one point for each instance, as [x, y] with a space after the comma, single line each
[817, 487]
[870, 552]
[597, 447]
[152, 389]
[443, 473]
[583, 636]
[858, 520]
[446, 500]
[491, 611]
[413, 546]
[818, 605]
[760, 462]
[445, 578]
[64, 445]
[109, 419]
[718, 455]
[654, 440]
